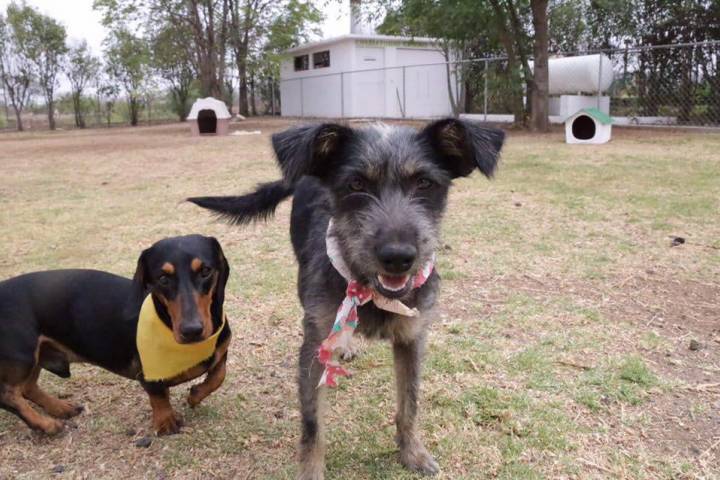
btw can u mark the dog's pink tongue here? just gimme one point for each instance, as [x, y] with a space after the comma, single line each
[394, 282]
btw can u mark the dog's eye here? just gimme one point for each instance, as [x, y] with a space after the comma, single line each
[163, 280]
[357, 184]
[205, 271]
[424, 183]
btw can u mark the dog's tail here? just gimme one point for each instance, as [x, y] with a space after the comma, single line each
[258, 205]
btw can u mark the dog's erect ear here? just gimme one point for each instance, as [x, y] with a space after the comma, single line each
[223, 275]
[463, 146]
[309, 150]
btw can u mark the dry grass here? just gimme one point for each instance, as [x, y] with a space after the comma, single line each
[561, 350]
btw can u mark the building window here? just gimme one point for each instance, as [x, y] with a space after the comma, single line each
[321, 59]
[302, 63]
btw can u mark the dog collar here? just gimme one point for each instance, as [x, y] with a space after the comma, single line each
[161, 356]
[356, 294]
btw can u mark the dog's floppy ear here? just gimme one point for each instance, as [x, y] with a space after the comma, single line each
[463, 146]
[309, 149]
[140, 279]
[223, 275]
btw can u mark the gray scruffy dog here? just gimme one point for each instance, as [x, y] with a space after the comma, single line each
[385, 190]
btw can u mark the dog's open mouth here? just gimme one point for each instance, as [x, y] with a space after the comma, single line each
[393, 284]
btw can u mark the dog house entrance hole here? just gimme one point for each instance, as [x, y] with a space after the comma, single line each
[207, 121]
[583, 127]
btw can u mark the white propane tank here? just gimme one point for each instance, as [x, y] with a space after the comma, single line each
[572, 75]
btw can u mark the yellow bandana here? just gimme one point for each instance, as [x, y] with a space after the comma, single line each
[161, 356]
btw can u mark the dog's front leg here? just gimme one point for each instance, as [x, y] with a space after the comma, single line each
[215, 377]
[312, 399]
[413, 454]
[165, 420]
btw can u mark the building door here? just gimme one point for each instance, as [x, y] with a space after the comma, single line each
[368, 82]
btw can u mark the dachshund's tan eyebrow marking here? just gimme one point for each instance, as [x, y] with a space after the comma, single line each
[195, 264]
[168, 268]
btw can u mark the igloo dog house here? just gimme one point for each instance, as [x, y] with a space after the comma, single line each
[209, 116]
[588, 125]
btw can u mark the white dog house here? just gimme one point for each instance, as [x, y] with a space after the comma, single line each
[366, 75]
[589, 125]
[209, 116]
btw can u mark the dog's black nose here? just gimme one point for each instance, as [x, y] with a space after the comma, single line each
[191, 331]
[397, 257]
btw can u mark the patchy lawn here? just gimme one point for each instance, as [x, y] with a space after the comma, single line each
[563, 349]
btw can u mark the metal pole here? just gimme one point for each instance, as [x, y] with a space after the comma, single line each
[457, 89]
[342, 94]
[485, 94]
[404, 112]
[302, 99]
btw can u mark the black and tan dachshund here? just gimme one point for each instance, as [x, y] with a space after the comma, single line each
[53, 318]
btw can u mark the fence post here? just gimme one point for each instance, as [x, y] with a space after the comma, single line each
[271, 81]
[404, 112]
[342, 94]
[485, 94]
[7, 112]
[302, 99]
[599, 96]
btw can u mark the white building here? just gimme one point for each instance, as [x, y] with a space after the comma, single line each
[366, 75]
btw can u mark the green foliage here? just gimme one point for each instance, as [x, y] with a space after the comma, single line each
[41, 40]
[128, 63]
[288, 28]
[172, 58]
[16, 67]
[81, 68]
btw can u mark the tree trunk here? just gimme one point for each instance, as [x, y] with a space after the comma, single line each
[243, 92]
[77, 108]
[253, 106]
[133, 110]
[469, 96]
[18, 118]
[51, 114]
[513, 65]
[448, 77]
[539, 105]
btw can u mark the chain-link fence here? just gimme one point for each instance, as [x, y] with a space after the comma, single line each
[97, 112]
[655, 85]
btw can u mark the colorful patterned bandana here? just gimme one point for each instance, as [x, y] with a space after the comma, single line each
[346, 320]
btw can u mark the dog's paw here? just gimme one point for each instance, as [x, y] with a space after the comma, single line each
[194, 398]
[419, 460]
[50, 426]
[349, 353]
[311, 475]
[168, 424]
[68, 411]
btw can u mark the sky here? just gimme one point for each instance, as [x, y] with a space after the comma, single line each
[82, 21]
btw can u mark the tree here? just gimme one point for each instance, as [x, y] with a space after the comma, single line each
[172, 60]
[246, 22]
[469, 26]
[107, 96]
[16, 70]
[128, 63]
[45, 45]
[289, 26]
[205, 21]
[540, 79]
[81, 68]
